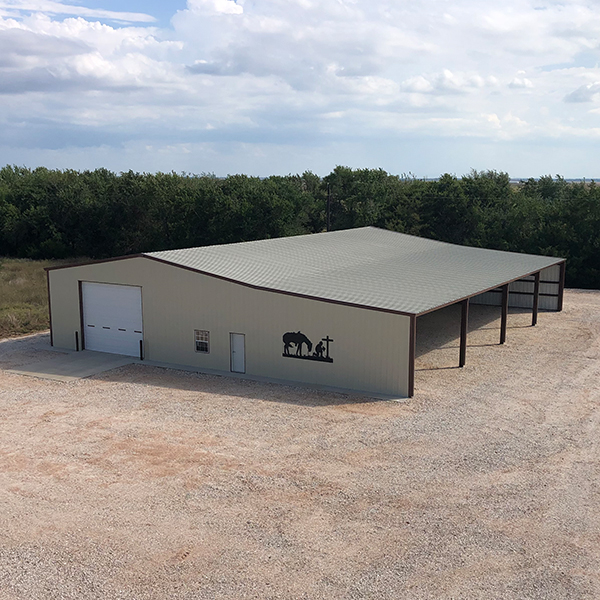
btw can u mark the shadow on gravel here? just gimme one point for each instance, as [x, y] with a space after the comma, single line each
[437, 348]
[19, 352]
[194, 382]
[439, 332]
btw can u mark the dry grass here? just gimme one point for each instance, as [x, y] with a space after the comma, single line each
[23, 296]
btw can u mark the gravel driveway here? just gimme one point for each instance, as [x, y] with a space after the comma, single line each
[148, 483]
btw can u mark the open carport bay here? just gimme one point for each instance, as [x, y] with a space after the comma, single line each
[144, 482]
[438, 334]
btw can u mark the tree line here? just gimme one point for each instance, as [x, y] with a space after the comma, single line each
[48, 214]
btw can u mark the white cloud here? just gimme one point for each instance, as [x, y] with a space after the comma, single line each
[39, 54]
[60, 8]
[448, 82]
[298, 73]
[520, 83]
[584, 93]
[226, 7]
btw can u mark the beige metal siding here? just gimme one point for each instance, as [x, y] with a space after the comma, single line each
[525, 300]
[370, 350]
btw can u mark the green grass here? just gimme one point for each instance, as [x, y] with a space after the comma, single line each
[24, 296]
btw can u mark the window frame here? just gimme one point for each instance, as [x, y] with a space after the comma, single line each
[199, 335]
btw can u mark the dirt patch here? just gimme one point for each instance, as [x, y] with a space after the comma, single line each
[149, 483]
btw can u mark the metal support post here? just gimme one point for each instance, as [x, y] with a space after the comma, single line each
[504, 319]
[464, 325]
[536, 297]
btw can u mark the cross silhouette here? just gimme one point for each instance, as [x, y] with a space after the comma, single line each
[327, 340]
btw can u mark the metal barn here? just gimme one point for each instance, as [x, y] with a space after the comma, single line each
[336, 309]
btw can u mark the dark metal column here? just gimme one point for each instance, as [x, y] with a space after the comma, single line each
[49, 306]
[561, 285]
[411, 355]
[504, 319]
[536, 297]
[464, 325]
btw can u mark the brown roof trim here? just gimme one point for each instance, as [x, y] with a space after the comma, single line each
[295, 294]
[560, 261]
[267, 289]
[95, 262]
[228, 279]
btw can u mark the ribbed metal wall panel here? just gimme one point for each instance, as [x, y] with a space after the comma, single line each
[524, 299]
[370, 349]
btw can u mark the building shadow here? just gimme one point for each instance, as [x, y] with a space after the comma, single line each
[438, 333]
[17, 353]
[230, 385]
[437, 347]
[435, 368]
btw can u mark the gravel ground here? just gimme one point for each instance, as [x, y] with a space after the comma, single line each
[148, 483]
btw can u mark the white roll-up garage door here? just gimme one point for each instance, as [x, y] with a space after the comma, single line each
[112, 318]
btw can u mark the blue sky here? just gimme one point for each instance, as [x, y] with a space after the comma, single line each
[283, 86]
[161, 11]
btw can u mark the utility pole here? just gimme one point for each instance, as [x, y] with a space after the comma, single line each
[328, 207]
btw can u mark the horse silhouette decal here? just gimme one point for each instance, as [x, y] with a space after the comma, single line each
[294, 340]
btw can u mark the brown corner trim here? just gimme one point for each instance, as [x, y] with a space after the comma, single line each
[49, 308]
[412, 344]
[561, 285]
[81, 327]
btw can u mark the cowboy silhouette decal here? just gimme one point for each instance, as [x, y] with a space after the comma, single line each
[295, 343]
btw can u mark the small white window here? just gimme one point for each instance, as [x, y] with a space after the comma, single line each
[202, 338]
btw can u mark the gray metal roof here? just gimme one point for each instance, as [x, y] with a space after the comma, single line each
[367, 267]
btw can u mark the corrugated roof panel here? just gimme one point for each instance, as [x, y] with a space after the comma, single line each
[367, 266]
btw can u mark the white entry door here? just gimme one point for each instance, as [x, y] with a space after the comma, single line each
[238, 352]
[112, 318]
